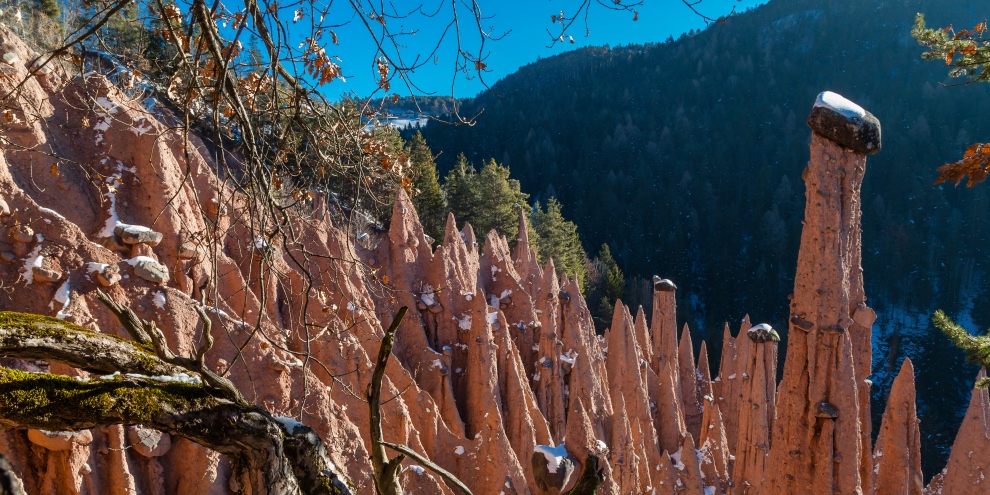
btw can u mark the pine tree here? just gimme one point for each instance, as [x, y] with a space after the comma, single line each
[606, 284]
[558, 238]
[488, 199]
[459, 187]
[427, 195]
[51, 8]
[500, 201]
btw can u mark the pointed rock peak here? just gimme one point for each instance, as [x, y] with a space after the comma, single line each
[580, 433]
[402, 200]
[619, 321]
[491, 243]
[469, 239]
[904, 380]
[550, 268]
[744, 326]
[703, 367]
[726, 334]
[523, 238]
[897, 455]
[643, 333]
[564, 280]
[451, 234]
[405, 221]
[686, 335]
[572, 288]
[685, 351]
[640, 316]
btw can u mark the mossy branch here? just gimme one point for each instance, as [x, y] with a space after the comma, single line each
[147, 333]
[141, 388]
[29, 336]
[977, 347]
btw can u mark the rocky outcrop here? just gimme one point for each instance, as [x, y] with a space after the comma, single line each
[758, 384]
[968, 464]
[497, 356]
[897, 454]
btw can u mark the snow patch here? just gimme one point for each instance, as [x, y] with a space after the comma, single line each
[840, 105]
[459, 450]
[554, 455]
[33, 259]
[464, 323]
[49, 211]
[159, 300]
[179, 378]
[288, 424]
[95, 267]
[63, 296]
[113, 220]
[427, 296]
[137, 259]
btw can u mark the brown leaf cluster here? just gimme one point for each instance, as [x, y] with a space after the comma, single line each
[974, 165]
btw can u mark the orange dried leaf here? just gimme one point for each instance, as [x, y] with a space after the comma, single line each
[974, 166]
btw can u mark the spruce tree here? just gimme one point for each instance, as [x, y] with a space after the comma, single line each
[607, 285]
[488, 199]
[558, 238]
[500, 199]
[459, 187]
[427, 195]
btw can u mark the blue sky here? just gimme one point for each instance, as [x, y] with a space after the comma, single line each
[526, 22]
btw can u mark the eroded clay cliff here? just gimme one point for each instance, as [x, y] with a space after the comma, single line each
[496, 362]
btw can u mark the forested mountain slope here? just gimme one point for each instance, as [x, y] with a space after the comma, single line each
[686, 157]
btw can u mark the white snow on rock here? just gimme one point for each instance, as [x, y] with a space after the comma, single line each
[427, 295]
[554, 455]
[840, 105]
[569, 356]
[288, 424]
[417, 469]
[106, 105]
[459, 450]
[113, 219]
[95, 267]
[63, 296]
[179, 378]
[159, 300]
[493, 318]
[34, 258]
[49, 211]
[676, 457]
[137, 259]
[464, 323]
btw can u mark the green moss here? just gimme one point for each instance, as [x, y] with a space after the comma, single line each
[38, 398]
[44, 326]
